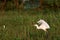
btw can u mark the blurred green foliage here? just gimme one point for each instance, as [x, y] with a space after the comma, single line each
[20, 25]
[10, 4]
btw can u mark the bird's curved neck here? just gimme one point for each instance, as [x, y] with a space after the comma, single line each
[37, 27]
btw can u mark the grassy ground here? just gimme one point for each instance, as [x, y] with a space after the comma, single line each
[19, 25]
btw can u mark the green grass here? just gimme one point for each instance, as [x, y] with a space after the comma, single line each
[20, 25]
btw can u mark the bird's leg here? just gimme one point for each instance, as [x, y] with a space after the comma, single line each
[46, 35]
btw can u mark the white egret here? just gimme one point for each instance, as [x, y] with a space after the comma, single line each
[42, 25]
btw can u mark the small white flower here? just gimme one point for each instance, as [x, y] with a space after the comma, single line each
[4, 26]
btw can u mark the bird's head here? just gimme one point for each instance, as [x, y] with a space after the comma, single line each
[35, 25]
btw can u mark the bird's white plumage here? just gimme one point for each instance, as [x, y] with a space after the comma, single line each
[43, 25]
[42, 22]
